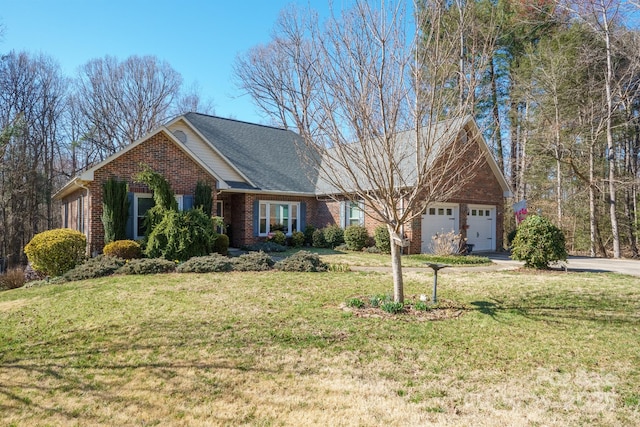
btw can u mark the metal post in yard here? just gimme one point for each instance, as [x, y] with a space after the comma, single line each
[435, 268]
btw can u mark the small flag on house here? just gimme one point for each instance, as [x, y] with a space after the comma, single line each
[520, 210]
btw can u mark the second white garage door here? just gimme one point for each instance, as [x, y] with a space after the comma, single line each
[481, 233]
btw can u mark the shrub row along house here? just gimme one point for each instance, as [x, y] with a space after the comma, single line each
[260, 181]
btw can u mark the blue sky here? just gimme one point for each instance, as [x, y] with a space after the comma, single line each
[200, 39]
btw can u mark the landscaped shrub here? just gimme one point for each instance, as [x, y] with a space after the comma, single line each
[115, 210]
[203, 198]
[148, 266]
[163, 198]
[383, 241]
[100, 266]
[372, 250]
[308, 234]
[253, 261]
[182, 235]
[205, 264]
[297, 239]
[11, 279]
[301, 261]
[221, 244]
[538, 242]
[278, 237]
[266, 247]
[511, 236]
[55, 252]
[356, 237]
[333, 235]
[125, 249]
[318, 239]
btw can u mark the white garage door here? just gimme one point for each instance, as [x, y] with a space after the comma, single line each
[441, 218]
[481, 233]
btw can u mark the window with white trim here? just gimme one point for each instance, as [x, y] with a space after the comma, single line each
[352, 213]
[278, 216]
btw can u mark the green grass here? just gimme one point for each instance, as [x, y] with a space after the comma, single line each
[365, 259]
[279, 349]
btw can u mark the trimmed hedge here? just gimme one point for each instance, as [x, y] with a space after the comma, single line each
[205, 264]
[302, 261]
[125, 249]
[55, 252]
[356, 237]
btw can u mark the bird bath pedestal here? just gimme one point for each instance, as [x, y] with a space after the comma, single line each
[435, 268]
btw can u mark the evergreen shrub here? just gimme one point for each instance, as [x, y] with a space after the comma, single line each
[318, 239]
[333, 235]
[115, 209]
[100, 266]
[538, 242]
[302, 261]
[356, 237]
[382, 239]
[308, 234]
[182, 235]
[205, 264]
[203, 198]
[253, 261]
[297, 239]
[125, 249]
[55, 252]
[221, 244]
[148, 266]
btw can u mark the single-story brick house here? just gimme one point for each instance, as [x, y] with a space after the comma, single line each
[259, 179]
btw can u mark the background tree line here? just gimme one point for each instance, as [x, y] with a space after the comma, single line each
[559, 103]
[53, 126]
[553, 83]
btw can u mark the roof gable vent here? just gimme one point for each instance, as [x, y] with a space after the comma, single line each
[182, 137]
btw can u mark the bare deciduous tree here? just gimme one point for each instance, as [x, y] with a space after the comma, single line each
[370, 94]
[122, 101]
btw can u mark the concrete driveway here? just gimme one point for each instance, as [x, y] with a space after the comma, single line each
[577, 263]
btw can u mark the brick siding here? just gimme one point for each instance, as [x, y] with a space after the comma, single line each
[163, 156]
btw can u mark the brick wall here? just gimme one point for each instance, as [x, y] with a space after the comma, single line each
[164, 157]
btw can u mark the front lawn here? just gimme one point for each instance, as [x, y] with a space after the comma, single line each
[364, 259]
[279, 348]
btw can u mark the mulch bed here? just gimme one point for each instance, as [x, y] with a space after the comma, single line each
[444, 310]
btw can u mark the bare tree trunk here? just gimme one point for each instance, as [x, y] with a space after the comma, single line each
[592, 206]
[496, 116]
[611, 158]
[396, 269]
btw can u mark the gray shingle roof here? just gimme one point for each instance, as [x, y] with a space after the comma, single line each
[269, 157]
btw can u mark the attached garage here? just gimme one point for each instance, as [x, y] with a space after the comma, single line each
[481, 227]
[438, 219]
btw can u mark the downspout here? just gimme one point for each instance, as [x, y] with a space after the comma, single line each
[88, 226]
